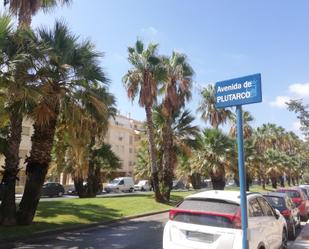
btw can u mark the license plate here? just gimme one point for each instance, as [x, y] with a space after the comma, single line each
[200, 237]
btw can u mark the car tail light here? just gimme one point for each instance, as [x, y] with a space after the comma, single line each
[236, 219]
[286, 212]
[172, 214]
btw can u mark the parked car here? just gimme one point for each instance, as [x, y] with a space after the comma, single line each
[211, 219]
[287, 208]
[299, 199]
[142, 185]
[120, 184]
[178, 185]
[52, 189]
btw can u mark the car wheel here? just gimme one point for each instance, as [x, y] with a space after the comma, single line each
[292, 232]
[142, 189]
[304, 218]
[284, 243]
[60, 194]
[131, 190]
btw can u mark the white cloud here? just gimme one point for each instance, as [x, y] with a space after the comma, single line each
[149, 31]
[300, 89]
[280, 101]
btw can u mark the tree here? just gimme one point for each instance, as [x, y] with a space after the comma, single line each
[18, 88]
[143, 80]
[301, 110]
[177, 90]
[71, 68]
[209, 111]
[213, 155]
[25, 9]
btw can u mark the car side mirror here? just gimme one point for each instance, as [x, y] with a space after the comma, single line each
[277, 214]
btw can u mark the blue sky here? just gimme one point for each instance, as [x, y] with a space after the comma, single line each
[223, 39]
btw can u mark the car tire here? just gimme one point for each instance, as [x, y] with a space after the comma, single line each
[284, 243]
[131, 190]
[292, 233]
[142, 189]
[304, 218]
[60, 194]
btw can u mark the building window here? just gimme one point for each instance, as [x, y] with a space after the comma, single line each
[25, 131]
[120, 138]
[130, 164]
[130, 150]
[131, 140]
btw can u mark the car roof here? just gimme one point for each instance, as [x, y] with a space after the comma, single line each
[275, 194]
[233, 196]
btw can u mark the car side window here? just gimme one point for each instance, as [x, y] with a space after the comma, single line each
[267, 210]
[256, 210]
[121, 182]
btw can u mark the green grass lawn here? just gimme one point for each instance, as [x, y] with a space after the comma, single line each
[73, 212]
[254, 188]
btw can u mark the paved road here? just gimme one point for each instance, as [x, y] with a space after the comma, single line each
[143, 233]
[140, 233]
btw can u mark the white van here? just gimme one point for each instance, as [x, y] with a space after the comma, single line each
[120, 184]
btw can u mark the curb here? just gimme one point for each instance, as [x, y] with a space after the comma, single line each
[6, 243]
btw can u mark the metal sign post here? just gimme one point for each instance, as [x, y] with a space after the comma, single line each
[242, 177]
[238, 92]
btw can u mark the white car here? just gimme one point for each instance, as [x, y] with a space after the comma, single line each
[142, 185]
[124, 184]
[211, 219]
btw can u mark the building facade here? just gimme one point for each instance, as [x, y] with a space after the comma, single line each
[123, 135]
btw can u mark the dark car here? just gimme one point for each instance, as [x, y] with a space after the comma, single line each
[52, 189]
[299, 199]
[287, 208]
[178, 185]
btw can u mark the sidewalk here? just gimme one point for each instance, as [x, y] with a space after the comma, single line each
[302, 241]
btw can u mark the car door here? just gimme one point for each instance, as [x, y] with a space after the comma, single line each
[257, 227]
[121, 185]
[274, 232]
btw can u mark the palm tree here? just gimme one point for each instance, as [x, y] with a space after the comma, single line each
[177, 90]
[71, 69]
[143, 80]
[209, 111]
[18, 76]
[247, 119]
[213, 155]
[25, 9]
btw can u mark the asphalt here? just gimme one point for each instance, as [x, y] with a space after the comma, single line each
[144, 233]
[302, 241]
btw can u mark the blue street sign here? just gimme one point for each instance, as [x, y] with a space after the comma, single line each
[239, 91]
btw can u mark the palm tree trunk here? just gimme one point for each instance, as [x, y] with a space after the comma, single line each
[218, 181]
[24, 18]
[196, 180]
[37, 167]
[91, 180]
[168, 160]
[8, 205]
[80, 188]
[153, 155]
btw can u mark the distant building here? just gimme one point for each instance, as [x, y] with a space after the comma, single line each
[123, 135]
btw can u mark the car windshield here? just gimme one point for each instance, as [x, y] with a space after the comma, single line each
[115, 181]
[276, 202]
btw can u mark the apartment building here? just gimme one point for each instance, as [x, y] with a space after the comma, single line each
[123, 135]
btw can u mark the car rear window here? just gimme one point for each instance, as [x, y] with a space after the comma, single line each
[210, 205]
[291, 193]
[207, 205]
[276, 202]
